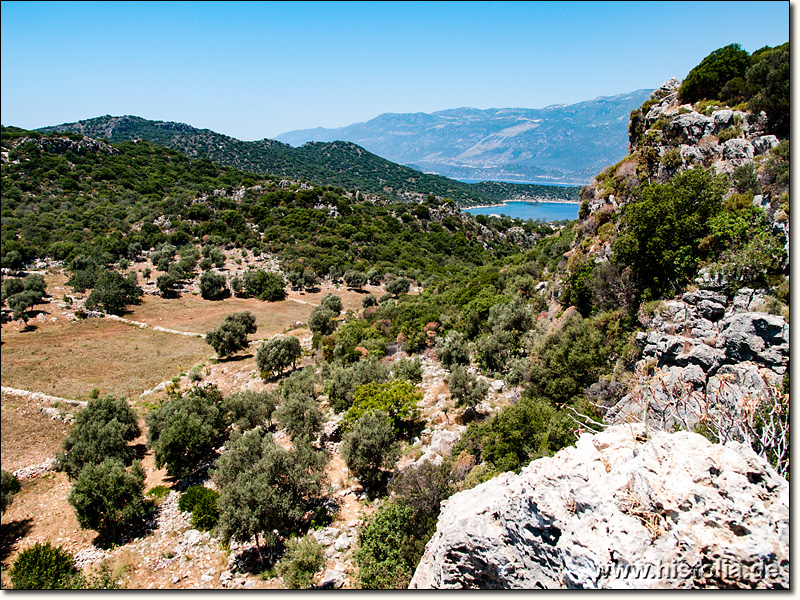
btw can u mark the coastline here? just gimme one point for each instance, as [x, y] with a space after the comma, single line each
[506, 202]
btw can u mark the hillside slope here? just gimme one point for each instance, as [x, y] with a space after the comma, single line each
[341, 164]
[560, 143]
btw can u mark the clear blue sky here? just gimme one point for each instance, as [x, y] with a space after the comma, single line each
[255, 70]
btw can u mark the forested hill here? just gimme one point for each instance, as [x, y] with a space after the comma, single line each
[342, 164]
[66, 195]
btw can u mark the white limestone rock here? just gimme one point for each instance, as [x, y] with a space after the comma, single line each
[618, 501]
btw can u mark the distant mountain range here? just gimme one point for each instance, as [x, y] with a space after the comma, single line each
[341, 164]
[556, 144]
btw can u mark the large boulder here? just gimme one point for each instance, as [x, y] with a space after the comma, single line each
[626, 508]
[756, 336]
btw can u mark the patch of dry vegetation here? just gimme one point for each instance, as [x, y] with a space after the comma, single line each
[70, 359]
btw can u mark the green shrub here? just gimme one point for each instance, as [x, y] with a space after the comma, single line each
[386, 555]
[44, 567]
[398, 399]
[205, 513]
[707, 79]
[192, 495]
[159, 492]
[729, 133]
[9, 487]
[303, 558]
[672, 159]
[530, 429]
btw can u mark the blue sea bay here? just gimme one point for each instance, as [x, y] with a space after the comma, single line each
[546, 211]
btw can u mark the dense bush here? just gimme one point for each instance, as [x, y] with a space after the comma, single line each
[569, 360]
[398, 399]
[44, 567]
[9, 487]
[662, 227]
[101, 430]
[769, 77]
[205, 512]
[530, 429]
[708, 79]
[191, 496]
[386, 554]
[303, 558]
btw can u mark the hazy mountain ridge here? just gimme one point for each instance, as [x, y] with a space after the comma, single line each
[558, 143]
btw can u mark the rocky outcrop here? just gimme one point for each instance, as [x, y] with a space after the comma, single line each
[700, 356]
[625, 508]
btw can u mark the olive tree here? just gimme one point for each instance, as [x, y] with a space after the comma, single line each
[322, 321]
[370, 447]
[231, 336]
[263, 487]
[355, 279]
[186, 428]
[101, 430]
[107, 495]
[275, 355]
[333, 303]
[213, 286]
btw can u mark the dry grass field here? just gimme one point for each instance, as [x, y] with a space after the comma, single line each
[68, 359]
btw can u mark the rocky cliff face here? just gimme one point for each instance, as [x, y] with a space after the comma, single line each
[703, 358]
[667, 137]
[626, 508]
